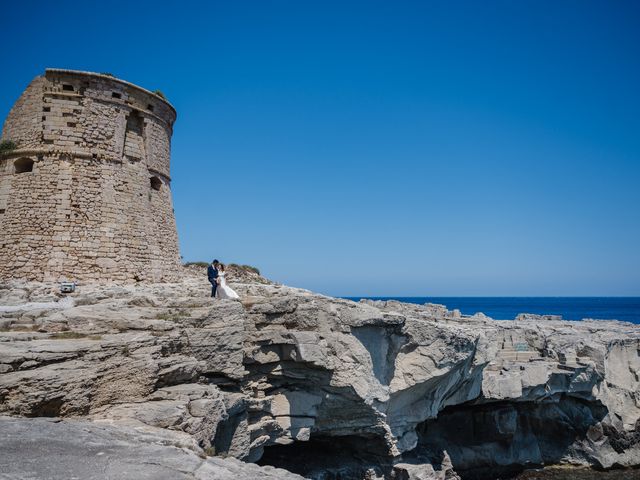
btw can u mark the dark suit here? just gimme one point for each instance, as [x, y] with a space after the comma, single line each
[212, 274]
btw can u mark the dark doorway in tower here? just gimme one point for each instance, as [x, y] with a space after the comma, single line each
[156, 183]
[23, 165]
[134, 137]
[134, 123]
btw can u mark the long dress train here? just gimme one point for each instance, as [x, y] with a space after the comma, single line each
[224, 290]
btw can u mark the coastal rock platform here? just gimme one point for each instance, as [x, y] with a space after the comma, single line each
[43, 448]
[323, 387]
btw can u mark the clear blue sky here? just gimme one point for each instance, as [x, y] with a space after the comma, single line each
[382, 148]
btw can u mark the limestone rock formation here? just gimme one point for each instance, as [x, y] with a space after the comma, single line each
[325, 387]
[45, 448]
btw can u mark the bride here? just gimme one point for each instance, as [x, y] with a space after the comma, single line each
[224, 290]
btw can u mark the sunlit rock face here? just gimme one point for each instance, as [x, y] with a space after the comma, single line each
[45, 448]
[325, 387]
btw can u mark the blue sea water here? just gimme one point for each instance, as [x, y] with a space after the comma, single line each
[506, 308]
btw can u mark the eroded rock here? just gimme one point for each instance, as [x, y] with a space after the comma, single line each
[286, 370]
[47, 448]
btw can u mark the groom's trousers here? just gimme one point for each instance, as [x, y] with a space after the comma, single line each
[214, 287]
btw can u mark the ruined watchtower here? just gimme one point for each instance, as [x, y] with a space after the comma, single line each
[86, 193]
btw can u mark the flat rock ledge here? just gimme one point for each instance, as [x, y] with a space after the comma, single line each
[323, 387]
[43, 449]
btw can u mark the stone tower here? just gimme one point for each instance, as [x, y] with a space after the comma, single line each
[86, 193]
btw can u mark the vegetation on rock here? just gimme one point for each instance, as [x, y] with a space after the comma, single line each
[70, 335]
[7, 146]
[245, 267]
[196, 264]
[236, 266]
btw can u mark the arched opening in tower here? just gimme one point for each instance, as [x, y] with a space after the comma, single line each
[156, 183]
[134, 136]
[23, 165]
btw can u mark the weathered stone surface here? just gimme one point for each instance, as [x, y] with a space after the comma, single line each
[53, 449]
[86, 194]
[286, 373]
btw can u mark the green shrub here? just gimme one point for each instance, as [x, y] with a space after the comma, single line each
[252, 269]
[231, 265]
[245, 267]
[160, 94]
[107, 74]
[197, 264]
[6, 146]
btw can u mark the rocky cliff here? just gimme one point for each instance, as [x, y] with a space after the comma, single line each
[323, 387]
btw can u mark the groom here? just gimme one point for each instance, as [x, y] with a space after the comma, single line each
[212, 274]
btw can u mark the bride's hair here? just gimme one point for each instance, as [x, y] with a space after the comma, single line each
[221, 267]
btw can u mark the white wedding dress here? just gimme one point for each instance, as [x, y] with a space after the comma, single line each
[224, 290]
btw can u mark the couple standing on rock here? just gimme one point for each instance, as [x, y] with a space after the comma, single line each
[219, 287]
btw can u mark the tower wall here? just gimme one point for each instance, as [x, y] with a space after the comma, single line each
[86, 195]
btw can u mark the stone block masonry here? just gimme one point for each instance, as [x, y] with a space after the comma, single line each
[86, 194]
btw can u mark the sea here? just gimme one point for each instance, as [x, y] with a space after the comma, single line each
[626, 309]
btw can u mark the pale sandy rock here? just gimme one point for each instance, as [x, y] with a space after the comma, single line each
[382, 382]
[42, 448]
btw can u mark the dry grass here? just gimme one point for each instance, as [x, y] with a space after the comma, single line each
[174, 315]
[70, 335]
[20, 328]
